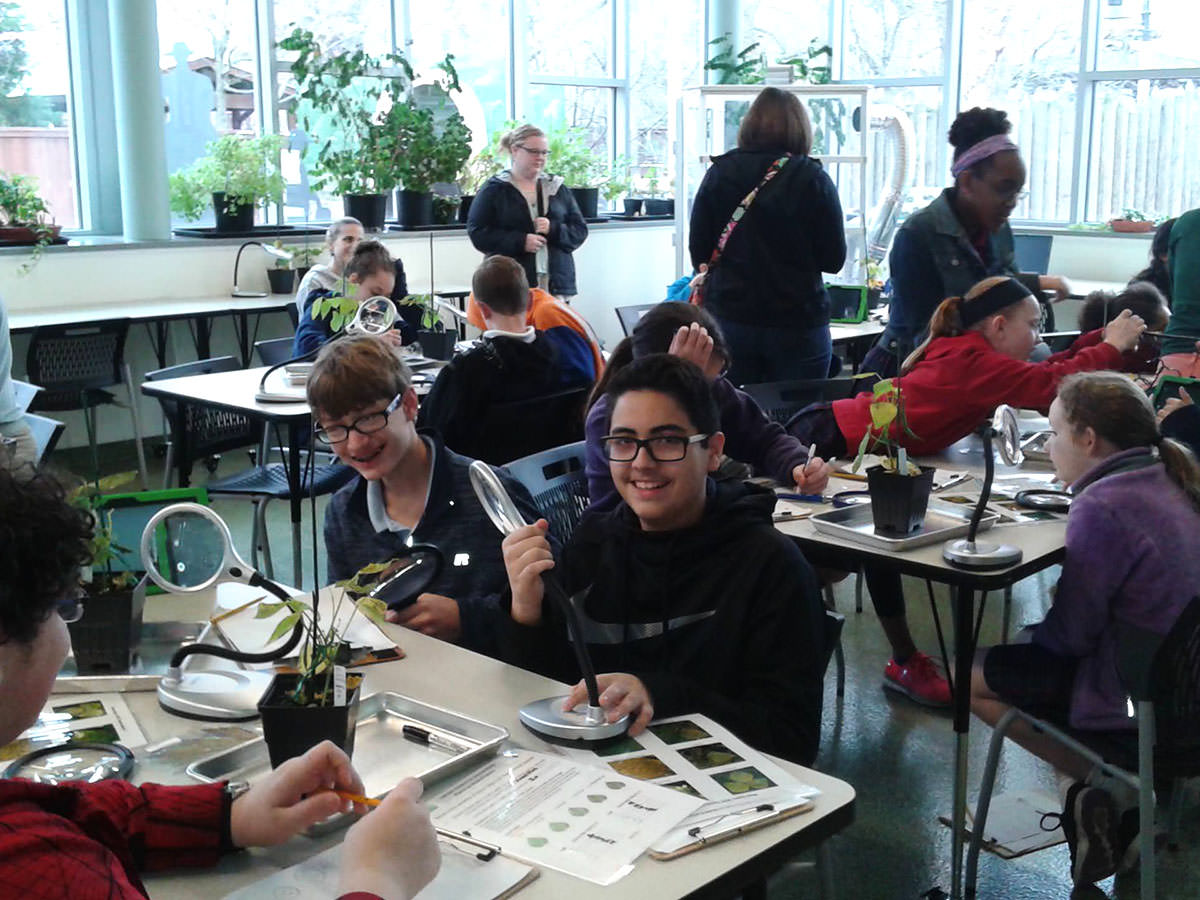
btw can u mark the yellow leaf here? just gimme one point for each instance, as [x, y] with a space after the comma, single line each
[883, 414]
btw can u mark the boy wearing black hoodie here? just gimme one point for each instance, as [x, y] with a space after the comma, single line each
[692, 602]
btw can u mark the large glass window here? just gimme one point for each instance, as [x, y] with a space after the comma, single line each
[1147, 34]
[894, 38]
[1032, 74]
[35, 120]
[570, 37]
[784, 28]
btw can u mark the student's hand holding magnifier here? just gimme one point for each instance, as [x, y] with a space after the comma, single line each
[620, 694]
[1123, 331]
[527, 556]
[1173, 404]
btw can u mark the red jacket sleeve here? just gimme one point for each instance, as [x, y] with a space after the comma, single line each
[91, 840]
[1029, 385]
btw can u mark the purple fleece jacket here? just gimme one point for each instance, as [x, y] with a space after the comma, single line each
[1131, 557]
[750, 437]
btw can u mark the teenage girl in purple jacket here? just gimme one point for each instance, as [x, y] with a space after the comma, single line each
[1130, 558]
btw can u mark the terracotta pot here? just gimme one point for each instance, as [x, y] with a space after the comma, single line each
[22, 234]
[1125, 226]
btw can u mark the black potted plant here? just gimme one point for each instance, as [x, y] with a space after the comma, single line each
[899, 489]
[337, 97]
[235, 175]
[319, 701]
[435, 340]
[656, 204]
[574, 162]
[475, 173]
[106, 637]
[281, 276]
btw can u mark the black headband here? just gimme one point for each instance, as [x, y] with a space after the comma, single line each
[997, 297]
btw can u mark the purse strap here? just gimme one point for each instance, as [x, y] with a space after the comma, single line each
[740, 210]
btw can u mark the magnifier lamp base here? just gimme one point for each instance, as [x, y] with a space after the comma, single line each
[583, 723]
[214, 695]
[238, 292]
[980, 555]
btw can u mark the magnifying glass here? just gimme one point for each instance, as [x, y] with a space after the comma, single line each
[546, 717]
[375, 316]
[73, 761]
[187, 548]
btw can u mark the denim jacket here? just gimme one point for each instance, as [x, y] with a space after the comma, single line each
[932, 259]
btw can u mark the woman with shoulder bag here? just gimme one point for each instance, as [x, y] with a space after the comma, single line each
[766, 222]
[529, 215]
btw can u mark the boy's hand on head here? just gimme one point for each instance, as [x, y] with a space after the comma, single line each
[296, 795]
[620, 694]
[1056, 283]
[432, 614]
[812, 477]
[393, 850]
[526, 556]
[1123, 331]
[693, 343]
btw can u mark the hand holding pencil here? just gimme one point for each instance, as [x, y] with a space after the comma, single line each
[812, 476]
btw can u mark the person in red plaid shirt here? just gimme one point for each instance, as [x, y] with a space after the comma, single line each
[90, 840]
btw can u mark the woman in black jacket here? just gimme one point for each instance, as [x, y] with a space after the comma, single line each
[530, 215]
[767, 290]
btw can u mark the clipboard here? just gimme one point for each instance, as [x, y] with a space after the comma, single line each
[739, 824]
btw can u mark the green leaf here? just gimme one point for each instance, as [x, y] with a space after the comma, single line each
[862, 450]
[883, 387]
[883, 413]
[284, 627]
[373, 608]
[266, 610]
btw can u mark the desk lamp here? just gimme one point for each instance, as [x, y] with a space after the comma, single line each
[192, 544]
[547, 717]
[968, 553]
[277, 252]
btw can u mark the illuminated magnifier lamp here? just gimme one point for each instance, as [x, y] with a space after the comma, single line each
[277, 252]
[967, 552]
[587, 721]
[193, 546]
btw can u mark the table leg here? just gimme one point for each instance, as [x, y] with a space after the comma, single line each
[203, 337]
[964, 655]
[296, 492]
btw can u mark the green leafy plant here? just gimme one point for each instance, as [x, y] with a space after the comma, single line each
[887, 409]
[430, 319]
[103, 549]
[304, 257]
[245, 169]
[22, 207]
[480, 167]
[324, 643]
[618, 183]
[1133, 215]
[338, 309]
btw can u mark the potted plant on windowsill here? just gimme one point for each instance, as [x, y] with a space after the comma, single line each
[235, 175]
[281, 276]
[656, 203]
[578, 167]
[319, 701]
[1131, 221]
[475, 173]
[899, 489]
[106, 637]
[24, 216]
[337, 101]
[303, 259]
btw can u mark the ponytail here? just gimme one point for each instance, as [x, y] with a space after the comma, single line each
[946, 322]
[622, 356]
[1182, 468]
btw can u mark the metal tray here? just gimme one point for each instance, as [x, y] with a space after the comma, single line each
[382, 755]
[942, 521]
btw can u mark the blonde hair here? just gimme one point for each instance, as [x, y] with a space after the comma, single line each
[334, 231]
[518, 136]
[1118, 412]
[947, 318]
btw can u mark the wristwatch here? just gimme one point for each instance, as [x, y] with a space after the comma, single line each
[235, 789]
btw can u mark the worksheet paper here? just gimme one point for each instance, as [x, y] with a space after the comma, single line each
[98, 718]
[698, 757]
[559, 814]
[461, 877]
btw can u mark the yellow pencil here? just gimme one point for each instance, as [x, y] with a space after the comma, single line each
[233, 612]
[358, 798]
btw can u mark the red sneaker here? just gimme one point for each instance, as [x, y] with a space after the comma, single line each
[919, 679]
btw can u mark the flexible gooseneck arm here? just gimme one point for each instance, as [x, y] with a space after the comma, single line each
[575, 630]
[989, 471]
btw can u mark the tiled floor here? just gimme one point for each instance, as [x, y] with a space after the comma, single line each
[898, 756]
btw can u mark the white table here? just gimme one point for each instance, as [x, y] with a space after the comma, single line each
[1042, 545]
[158, 314]
[484, 688]
[1081, 287]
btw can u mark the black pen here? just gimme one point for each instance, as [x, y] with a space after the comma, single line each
[424, 736]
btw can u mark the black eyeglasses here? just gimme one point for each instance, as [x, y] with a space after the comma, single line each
[368, 424]
[70, 608]
[542, 153]
[663, 448]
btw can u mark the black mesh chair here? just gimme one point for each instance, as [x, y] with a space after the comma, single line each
[781, 400]
[274, 351]
[510, 431]
[205, 431]
[1162, 677]
[555, 479]
[73, 364]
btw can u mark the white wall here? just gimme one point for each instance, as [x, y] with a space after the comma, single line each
[618, 265]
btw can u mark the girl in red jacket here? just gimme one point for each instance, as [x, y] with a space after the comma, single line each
[973, 360]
